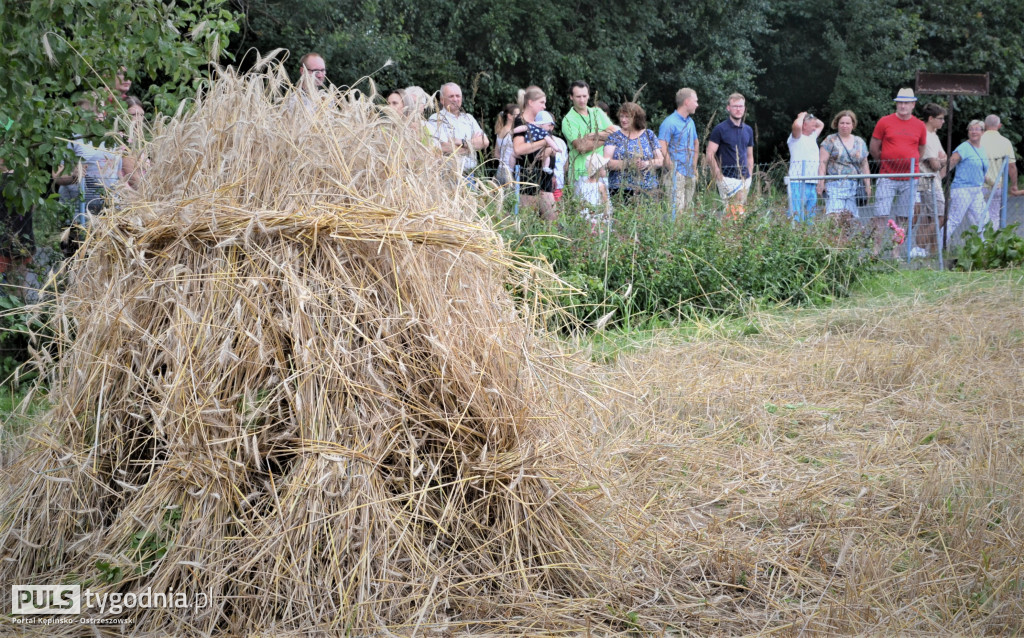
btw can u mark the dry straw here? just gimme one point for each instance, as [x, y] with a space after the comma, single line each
[853, 471]
[290, 376]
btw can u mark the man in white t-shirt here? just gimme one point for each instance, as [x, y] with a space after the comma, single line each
[803, 162]
[999, 150]
[455, 130]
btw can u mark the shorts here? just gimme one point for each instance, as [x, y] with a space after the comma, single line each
[731, 187]
[533, 181]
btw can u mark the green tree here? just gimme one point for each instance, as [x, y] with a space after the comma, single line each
[54, 52]
[987, 37]
[495, 47]
[824, 58]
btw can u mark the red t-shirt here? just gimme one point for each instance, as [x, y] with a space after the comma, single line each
[901, 142]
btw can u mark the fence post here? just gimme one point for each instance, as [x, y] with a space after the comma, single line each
[1005, 187]
[935, 217]
[515, 179]
[675, 174]
[909, 243]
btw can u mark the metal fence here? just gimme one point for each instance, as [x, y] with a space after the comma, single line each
[933, 213]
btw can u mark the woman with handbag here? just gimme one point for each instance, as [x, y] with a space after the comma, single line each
[844, 153]
[966, 198]
[633, 154]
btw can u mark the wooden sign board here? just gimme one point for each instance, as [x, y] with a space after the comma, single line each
[952, 83]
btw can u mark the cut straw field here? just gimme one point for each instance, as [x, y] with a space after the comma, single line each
[855, 470]
[290, 374]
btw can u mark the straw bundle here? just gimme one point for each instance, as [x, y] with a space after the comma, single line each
[292, 378]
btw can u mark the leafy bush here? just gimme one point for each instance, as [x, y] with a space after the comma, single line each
[647, 265]
[17, 323]
[989, 248]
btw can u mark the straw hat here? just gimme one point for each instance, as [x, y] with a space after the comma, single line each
[595, 163]
[905, 95]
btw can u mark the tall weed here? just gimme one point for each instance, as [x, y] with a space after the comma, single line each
[647, 264]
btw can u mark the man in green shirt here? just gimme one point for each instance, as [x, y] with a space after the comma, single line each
[585, 129]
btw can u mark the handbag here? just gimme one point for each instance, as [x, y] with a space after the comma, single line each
[862, 193]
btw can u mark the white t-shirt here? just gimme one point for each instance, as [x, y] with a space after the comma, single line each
[446, 127]
[506, 159]
[803, 155]
[932, 148]
[590, 192]
[559, 167]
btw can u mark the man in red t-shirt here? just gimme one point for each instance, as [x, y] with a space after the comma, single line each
[898, 138]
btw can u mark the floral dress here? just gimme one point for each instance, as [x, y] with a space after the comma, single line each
[843, 159]
[642, 148]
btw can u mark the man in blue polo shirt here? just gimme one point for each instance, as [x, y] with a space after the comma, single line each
[678, 137]
[731, 156]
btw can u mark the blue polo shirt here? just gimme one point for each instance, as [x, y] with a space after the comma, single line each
[679, 134]
[733, 142]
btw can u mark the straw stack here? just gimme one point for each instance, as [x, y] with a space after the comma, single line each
[290, 377]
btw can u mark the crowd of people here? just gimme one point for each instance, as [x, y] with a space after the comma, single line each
[601, 158]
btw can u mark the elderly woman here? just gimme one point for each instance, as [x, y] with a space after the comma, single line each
[843, 153]
[537, 188]
[633, 154]
[965, 193]
[415, 100]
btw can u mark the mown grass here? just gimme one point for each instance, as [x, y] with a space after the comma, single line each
[850, 469]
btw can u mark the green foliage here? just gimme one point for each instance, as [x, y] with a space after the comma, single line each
[646, 265]
[55, 52]
[826, 57]
[20, 327]
[984, 37]
[145, 549]
[493, 48]
[786, 56]
[989, 248]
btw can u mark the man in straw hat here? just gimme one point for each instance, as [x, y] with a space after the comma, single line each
[898, 138]
[455, 130]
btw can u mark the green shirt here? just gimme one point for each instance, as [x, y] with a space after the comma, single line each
[575, 126]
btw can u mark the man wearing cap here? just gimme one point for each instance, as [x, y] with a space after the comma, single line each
[898, 139]
[999, 151]
[678, 137]
[455, 130]
[585, 129]
[730, 154]
[803, 162]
